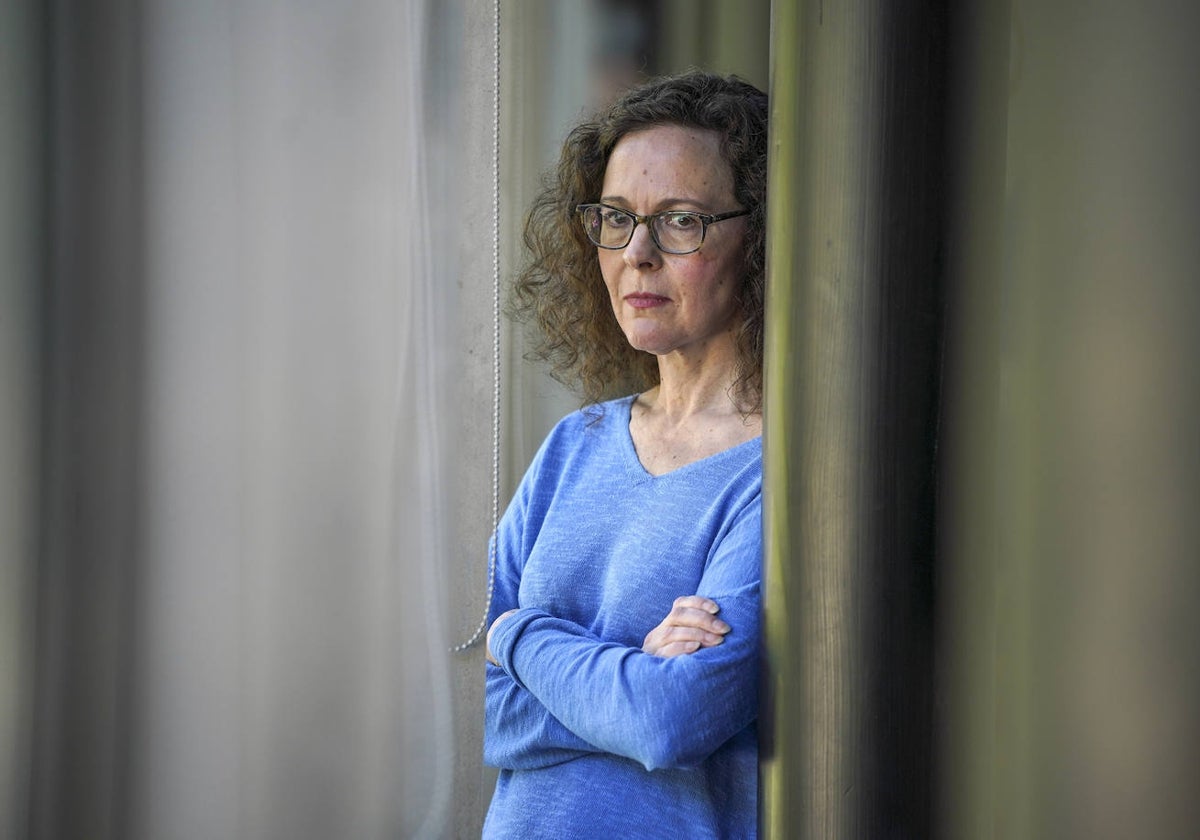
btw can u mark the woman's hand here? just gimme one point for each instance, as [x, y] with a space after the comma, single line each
[495, 624]
[691, 624]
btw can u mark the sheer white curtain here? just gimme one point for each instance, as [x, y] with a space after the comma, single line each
[304, 281]
[268, 405]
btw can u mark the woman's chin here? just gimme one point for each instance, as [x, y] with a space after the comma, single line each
[649, 347]
[648, 341]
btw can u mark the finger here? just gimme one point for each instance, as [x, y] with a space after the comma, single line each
[698, 602]
[676, 649]
[689, 634]
[677, 642]
[684, 638]
[689, 611]
[704, 637]
[692, 617]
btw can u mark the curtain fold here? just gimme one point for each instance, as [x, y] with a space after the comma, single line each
[293, 676]
[258, 540]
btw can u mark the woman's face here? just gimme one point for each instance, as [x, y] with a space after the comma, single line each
[674, 303]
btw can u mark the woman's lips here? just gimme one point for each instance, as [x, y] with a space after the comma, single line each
[645, 300]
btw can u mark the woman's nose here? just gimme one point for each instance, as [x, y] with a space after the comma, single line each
[641, 252]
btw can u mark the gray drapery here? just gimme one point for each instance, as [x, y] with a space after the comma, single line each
[249, 354]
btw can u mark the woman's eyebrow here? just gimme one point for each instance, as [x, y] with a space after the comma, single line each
[663, 203]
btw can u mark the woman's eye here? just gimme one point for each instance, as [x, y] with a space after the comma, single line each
[614, 218]
[681, 221]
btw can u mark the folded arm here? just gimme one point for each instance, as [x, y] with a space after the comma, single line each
[523, 735]
[520, 733]
[661, 712]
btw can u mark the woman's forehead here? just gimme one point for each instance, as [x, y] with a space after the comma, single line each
[669, 158]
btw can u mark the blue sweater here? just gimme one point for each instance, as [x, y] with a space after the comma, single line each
[594, 738]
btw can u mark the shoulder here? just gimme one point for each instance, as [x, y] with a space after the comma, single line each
[599, 420]
[593, 431]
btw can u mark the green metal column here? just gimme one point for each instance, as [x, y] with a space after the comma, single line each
[851, 407]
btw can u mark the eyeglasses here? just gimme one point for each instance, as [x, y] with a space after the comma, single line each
[673, 231]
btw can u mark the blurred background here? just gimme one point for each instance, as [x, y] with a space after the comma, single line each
[246, 405]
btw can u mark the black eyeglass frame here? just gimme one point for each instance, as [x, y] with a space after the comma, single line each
[706, 219]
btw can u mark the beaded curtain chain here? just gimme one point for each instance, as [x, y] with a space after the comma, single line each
[491, 581]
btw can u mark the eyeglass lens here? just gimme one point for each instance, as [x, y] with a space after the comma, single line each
[678, 232]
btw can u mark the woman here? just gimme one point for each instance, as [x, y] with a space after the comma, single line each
[623, 649]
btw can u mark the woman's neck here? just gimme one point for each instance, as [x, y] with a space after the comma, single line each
[691, 386]
[687, 418]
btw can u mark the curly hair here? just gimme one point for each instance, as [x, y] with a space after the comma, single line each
[560, 289]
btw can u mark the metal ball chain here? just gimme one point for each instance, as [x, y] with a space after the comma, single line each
[491, 582]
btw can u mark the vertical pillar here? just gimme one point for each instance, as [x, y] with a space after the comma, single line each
[851, 407]
[92, 308]
[22, 253]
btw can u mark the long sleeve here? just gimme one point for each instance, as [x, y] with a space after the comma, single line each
[660, 712]
[519, 732]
